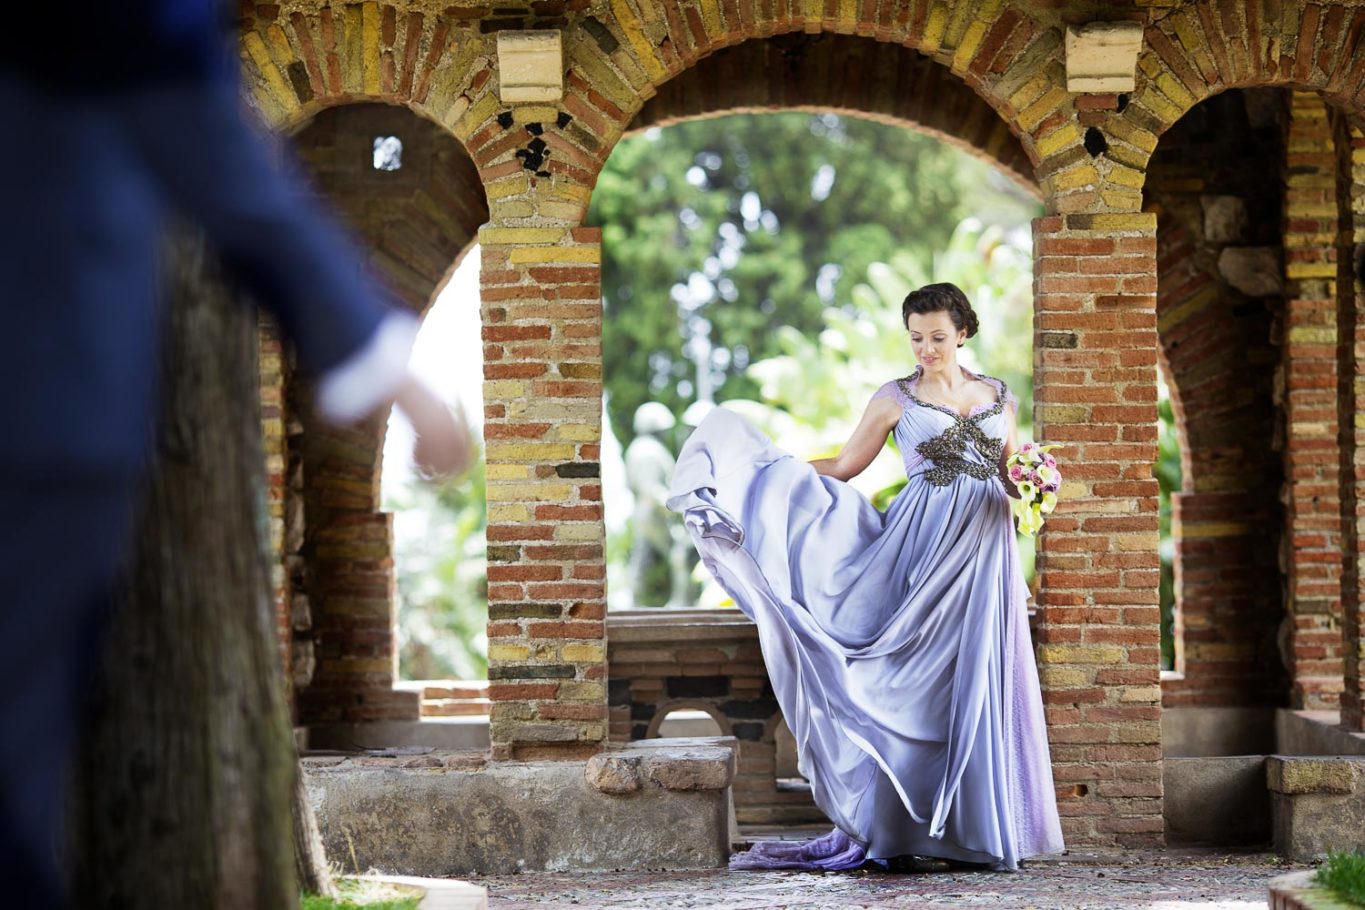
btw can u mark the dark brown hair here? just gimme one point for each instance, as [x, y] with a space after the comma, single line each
[941, 298]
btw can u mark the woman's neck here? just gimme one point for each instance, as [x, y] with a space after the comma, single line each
[946, 376]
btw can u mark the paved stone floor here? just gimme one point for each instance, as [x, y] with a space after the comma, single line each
[1151, 880]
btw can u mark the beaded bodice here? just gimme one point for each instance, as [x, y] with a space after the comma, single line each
[949, 448]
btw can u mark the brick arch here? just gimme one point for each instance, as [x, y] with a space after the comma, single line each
[687, 704]
[1211, 46]
[841, 74]
[415, 224]
[299, 59]
[615, 60]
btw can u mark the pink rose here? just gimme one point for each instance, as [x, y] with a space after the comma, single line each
[1016, 472]
[1026, 447]
[1049, 460]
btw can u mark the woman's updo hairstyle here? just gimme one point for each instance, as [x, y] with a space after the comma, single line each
[941, 298]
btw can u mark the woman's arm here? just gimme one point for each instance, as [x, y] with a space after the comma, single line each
[867, 440]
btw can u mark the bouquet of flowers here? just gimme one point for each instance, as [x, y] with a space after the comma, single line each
[1035, 475]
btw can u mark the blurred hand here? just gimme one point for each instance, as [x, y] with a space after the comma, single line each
[444, 444]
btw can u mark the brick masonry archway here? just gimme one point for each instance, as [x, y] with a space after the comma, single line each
[1210, 180]
[415, 223]
[841, 74]
[1192, 54]
[1095, 279]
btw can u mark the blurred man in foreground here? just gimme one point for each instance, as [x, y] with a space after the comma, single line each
[129, 111]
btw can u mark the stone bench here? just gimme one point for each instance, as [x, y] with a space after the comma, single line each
[665, 805]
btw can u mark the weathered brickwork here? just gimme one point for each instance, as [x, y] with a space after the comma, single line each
[1095, 381]
[1096, 335]
[677, 662]
[1350, 154]
[270, 359]
[1311, 549]
[1215, 184]
[542, 333]
[841, 74]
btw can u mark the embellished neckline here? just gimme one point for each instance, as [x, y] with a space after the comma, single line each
[909, 383]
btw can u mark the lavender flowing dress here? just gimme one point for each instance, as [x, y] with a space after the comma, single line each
[896, 642]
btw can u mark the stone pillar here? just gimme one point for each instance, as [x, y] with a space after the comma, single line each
[1095, 352]
[542, 330]
[1311, 549]
[1350, 150]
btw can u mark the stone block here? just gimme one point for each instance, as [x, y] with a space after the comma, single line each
[1219, 800]
[701, 768]
[1225, 218]
[613, 773]
[1297, 775]
[1102, 56]
[1317, 804]
[1253, 270]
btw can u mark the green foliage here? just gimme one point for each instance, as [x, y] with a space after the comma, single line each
[1168, 473]
[354, 894]
[1344, 873]
[440, 550]
[715, 231]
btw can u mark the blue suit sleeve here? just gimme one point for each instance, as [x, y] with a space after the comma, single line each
[272, 233]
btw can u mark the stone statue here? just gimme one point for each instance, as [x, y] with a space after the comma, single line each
[657, 533]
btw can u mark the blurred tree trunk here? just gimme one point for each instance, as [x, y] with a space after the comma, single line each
[309, 855]
[186, 783]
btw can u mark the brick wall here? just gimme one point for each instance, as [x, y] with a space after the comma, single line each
[1350, 165]
[1307, 384]
[542, 331]
[712, 662]
[1095, 393]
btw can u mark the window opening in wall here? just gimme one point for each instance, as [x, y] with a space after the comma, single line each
[388, 153]
[1169, 480]
[439, 539]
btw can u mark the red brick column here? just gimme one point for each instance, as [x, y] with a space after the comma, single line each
[1350, 149]
[271, 369]
[542, 331]
[1312, 540]
[1095, 349]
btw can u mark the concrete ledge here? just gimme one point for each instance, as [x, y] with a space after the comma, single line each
[441, 815]
[1314, 733]
[1317, 804]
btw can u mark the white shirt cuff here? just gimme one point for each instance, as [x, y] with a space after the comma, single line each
[371, 376]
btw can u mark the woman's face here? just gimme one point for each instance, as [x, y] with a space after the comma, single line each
[934, 339]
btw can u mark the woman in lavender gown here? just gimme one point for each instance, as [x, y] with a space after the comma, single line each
[896, 642]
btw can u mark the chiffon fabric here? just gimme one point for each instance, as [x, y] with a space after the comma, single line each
[896, 642]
